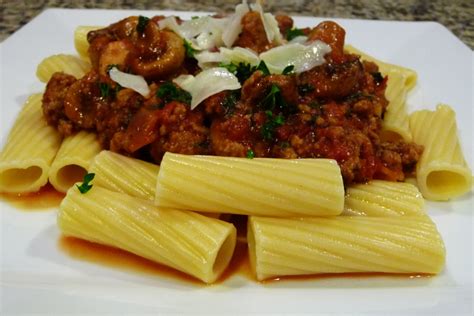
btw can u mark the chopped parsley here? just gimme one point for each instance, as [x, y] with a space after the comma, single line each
[250, 154]
[305, 88]
[268, 128]
[190, 51]
[294, 32]
[105, 90]
[86, 186]
[168, 92]
[377, 77]
[273, 99]
[142, 23]
[230, 101]
[263, 68]
[288, 70]
[241, 70]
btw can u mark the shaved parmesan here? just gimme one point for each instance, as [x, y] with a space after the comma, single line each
[234, 26]
[299, 39]
[134, 82]
[208, 59]
[302, 57]
[239, 55]
[207, 83]
[270, 24]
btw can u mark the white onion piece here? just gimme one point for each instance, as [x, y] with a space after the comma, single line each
[208, 82]
[302, 57]
[239, 55]
[208, 59]
[234, 27]
[134, 82]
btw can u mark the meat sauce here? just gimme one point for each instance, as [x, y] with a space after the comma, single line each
[334, 110]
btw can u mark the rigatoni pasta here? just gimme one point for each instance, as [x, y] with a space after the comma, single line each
[383, 198]
[29, 150]
[269, 187]
[340, 244]
[442, 172]
[68, 64]
[73, 159]
[124, 174]
[187, 241]
[80, 40]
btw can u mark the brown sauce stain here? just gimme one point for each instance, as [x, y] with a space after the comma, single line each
[350, 275]
[46, 198]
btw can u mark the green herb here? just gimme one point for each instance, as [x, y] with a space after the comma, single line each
[294, 32]
[273, 99]
[315, 104]
[242, 70]
[190, 51]
[305, 88]
[358, 96]
[250, 154]
[230, 101]
[105, 91]
[168, 92]
[268, 128]
[377, 77]
[263, 68]
[288, 70]
[142, 23]
[284, 144]
[194, 17]
[86, 186]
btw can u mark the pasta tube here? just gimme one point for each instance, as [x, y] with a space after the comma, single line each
[260, 186]
[442, 172]
[124, 174]
[189, 242]
[383, 198]
[395, 124]
[68, 64]
[80, 39]
[386, 68]
[73, 159]
[29, 150]
[340, 244]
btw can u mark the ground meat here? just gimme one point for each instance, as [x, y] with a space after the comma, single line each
[400, 154]
[332, 34]
[285, 23]
[253, 34]
[53, 102]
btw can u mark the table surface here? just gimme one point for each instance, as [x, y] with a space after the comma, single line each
[457, 15]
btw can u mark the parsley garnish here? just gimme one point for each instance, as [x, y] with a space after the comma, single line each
[263, 68]
[273, 99]
[230, 101]
[294, 32]
[195, 17]
[86, 186]
[377, 77]
[168, 92]
[190, 51]
[250, 154]
[305, 88]
[242, 70]
[288, 70]
[104, 90]
[142, 23]
[268, 128]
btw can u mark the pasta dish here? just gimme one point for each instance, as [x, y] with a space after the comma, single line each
[161, 125]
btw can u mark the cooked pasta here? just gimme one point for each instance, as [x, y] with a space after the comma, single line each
[73, 159]
[68, 64]
[29, 150]
[395, 124]
[386, 68]
[298, 246]
[442, 172]
[383, 198]
[80, 39]
[270, 187]
[189, 242]
[124, 174]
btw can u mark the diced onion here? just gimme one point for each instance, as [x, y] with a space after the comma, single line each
[207, 83]
[234, 27]
[134, 82]
[302, 57]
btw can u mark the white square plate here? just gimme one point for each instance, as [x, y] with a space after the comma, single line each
[37, 277]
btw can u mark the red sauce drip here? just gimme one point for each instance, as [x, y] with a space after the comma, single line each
[45, 199]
